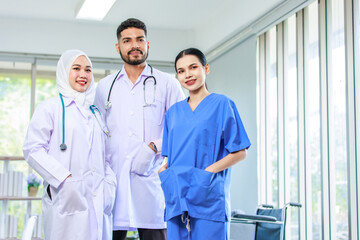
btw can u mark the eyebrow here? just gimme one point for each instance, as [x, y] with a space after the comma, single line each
[78, 65]
[187, 66]
[126, 38]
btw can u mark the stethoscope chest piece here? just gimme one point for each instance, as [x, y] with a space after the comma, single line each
[63, 147]
[108, 105]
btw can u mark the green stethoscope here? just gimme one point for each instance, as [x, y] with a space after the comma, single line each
[93, 108]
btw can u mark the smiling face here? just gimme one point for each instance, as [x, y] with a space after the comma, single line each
[132, 46]
[80, 74]
[191, 73]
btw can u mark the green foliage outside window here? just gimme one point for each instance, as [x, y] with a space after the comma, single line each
[15, 102]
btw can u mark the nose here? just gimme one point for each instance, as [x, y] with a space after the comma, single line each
[188, 74]
[135, 45]
[83, 74]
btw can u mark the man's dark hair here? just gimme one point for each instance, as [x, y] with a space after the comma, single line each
[129, 23]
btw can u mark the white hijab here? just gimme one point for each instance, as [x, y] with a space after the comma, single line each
[82, 99]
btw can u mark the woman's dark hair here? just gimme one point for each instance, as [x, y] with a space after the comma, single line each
[192, 51]
[131, 22]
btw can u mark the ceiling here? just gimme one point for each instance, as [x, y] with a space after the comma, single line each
[163, 14]
[205, 23]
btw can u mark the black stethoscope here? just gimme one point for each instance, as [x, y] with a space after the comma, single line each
[108, 103]
[93, 108]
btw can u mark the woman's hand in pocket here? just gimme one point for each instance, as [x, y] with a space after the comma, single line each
[163, 168]
[210, 169]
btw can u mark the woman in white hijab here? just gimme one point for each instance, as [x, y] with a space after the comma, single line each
[65, 144]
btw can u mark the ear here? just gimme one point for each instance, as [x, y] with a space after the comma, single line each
[207, 69]
[117, 48]
[148, 45]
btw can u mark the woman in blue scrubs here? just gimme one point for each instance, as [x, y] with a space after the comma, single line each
[203, 137]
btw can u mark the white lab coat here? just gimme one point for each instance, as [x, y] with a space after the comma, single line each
[139, 197]
[81, 206]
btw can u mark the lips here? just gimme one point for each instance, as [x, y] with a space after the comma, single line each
[135, 52]
[190, 82]
[81, 82]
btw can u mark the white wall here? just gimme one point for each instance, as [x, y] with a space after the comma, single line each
[54, 37]
[226, 23]
[234, 74]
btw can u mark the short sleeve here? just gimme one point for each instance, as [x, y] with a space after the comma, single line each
[234, 134]
[165, 142]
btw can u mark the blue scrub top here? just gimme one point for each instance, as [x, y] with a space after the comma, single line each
[192, 141]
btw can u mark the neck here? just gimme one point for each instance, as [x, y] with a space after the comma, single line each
[195, 97]
[134, 71]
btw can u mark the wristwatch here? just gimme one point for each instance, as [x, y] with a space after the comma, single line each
[154, 147]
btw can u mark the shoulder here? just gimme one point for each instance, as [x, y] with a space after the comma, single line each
[221, 99]
[163, 76]
[223, 103]
[177, 106]
[48, 106]
[170, 83]
[50, 102]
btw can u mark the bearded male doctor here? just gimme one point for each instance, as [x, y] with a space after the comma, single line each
[134, 102]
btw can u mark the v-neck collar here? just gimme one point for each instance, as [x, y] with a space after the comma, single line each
[199, 106]
[145, 73]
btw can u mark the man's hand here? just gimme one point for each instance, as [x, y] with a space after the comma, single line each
[153, 147]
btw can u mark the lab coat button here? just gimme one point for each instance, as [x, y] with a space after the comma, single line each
[127, 156]
[132, 93]
[130, 134]
[131, 113]
[93, 169]
[94, 194]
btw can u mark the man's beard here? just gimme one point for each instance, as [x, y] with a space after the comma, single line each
[136, 61]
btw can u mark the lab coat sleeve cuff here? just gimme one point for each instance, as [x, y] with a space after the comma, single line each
[158, 143]
[56, 184]
[48, 168]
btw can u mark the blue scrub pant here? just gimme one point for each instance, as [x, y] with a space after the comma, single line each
[200, 229]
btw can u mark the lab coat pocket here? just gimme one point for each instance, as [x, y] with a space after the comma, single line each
[71, 197]
[109, 196]
[143, 161]
[154, 112]
[48, 194]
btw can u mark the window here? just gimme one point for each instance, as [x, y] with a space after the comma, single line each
[291, 122]
[15, 82]
[337, 119]
[306, 113]
[312, 118]
[271, 106]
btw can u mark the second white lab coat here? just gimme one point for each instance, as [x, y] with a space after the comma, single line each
[80, 207]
